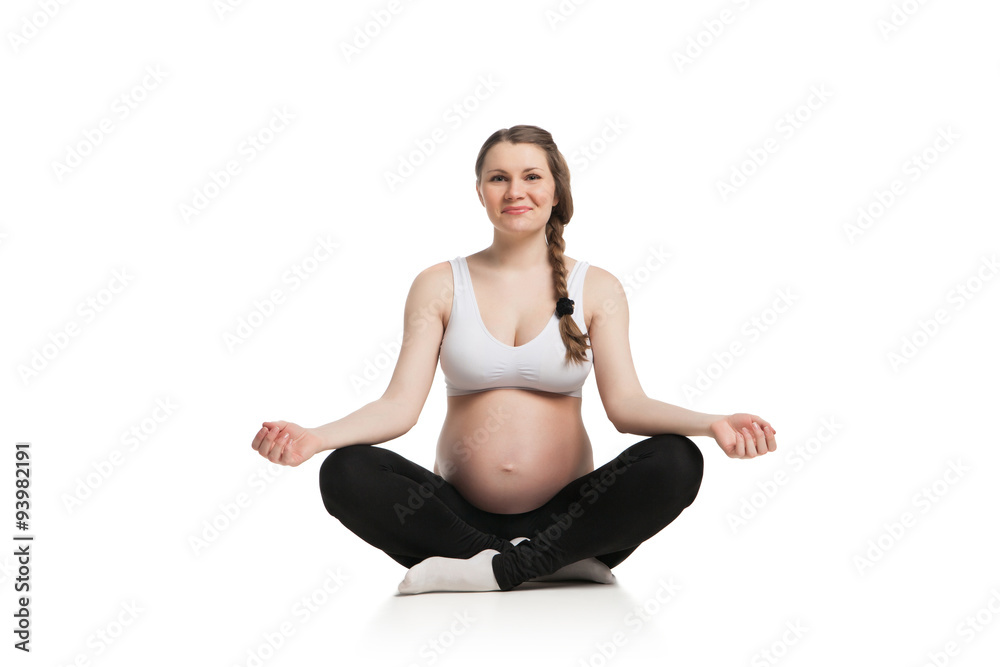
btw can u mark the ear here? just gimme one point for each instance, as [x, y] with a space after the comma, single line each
[480, 195]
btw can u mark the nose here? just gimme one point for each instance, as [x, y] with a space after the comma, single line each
[515, 189]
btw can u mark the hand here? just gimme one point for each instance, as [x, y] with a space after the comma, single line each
[286, 443]
[744, 436]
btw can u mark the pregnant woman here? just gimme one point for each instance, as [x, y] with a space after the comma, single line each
[514, 495]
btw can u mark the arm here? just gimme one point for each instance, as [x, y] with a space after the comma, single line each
[397, 410]
[376, 422]
[740, 435]
[627, 405]
[643, 415]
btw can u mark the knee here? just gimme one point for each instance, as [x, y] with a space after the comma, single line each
[682, 465]
[341, 467]
[339, 463]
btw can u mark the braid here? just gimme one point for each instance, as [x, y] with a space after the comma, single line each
[575, 340]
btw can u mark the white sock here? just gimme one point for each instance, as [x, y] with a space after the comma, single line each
[438, 573]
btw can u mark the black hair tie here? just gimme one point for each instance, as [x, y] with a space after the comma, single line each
[564, 306]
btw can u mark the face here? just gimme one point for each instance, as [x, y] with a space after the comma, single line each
[517, 189]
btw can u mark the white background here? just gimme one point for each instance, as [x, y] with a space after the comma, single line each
[860, 437]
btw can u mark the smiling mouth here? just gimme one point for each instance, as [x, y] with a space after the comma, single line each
[516, 209]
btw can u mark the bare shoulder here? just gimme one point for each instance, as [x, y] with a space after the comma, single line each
[436, 272]
[432, 289]
[603, 293]
[422, 335]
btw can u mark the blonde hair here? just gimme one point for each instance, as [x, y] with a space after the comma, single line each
[576, 342]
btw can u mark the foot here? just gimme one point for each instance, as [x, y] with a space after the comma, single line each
[438, 573]
[588, 569]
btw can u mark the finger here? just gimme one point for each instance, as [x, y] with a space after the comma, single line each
[752, 441]
[760, 438]
[763, 422]
[275, 454]
[266, 443]
[740, 446]
[769, 435]
[273, 442]
[259, 438]
[280, 445]
[751, 446]
[275, 426]
[288, 454]
[282, 432]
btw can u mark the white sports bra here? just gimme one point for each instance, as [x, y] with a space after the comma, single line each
[473, 360]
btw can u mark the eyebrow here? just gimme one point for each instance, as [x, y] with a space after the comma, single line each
[502, 171]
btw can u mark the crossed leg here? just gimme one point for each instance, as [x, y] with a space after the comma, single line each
[423, 523]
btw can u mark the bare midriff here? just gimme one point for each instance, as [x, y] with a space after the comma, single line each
[509, 451]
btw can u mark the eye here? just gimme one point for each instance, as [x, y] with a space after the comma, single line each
[537, 177]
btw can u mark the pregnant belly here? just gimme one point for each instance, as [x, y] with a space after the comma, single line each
[509, 451]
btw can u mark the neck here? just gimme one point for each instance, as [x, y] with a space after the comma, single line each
[520, 253]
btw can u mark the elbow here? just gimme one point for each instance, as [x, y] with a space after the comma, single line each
[408, 425]
[620, 426]
[411, 420]
[622, 418]
[400, 416]
[622, 413]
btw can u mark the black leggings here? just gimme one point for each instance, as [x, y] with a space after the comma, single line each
[411, 513]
